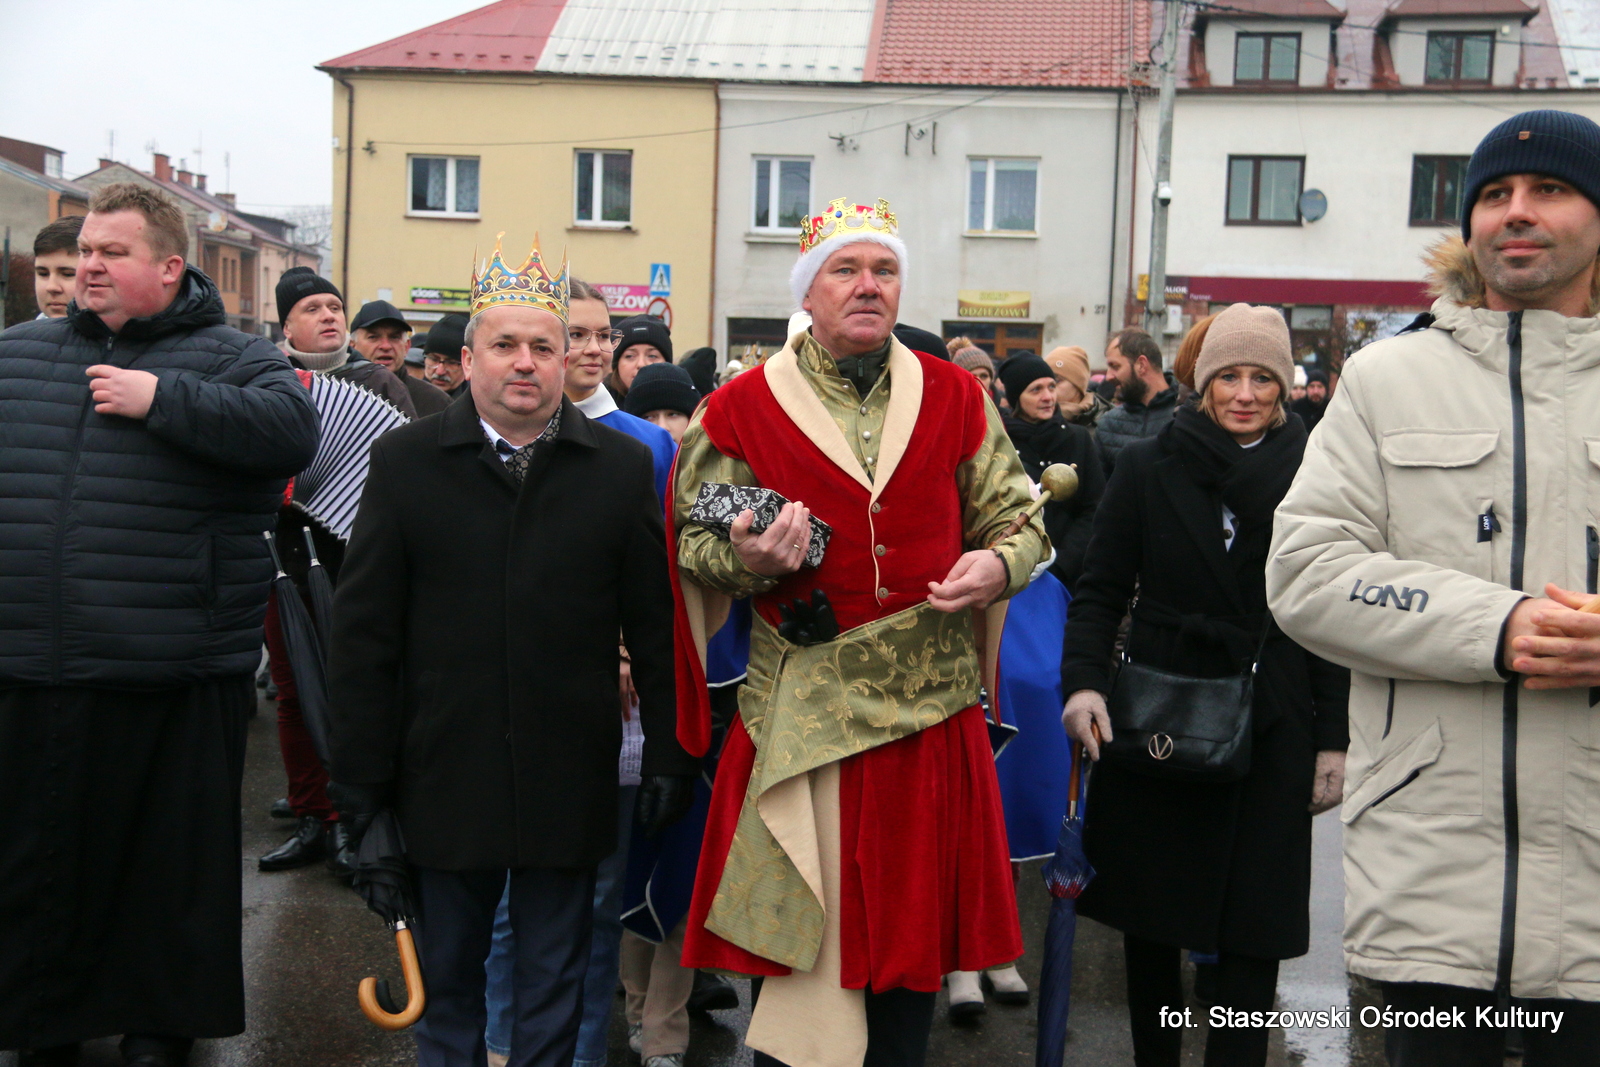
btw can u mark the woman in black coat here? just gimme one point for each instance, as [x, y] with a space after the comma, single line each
[1042, 437]
[1183, 533]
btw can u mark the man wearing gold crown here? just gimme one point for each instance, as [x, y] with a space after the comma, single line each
[855, 851]
[501, 547]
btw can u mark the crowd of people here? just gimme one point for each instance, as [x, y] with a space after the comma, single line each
[668, 675]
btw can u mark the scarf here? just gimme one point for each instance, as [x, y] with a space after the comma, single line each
[1249, 481]
[318, 361]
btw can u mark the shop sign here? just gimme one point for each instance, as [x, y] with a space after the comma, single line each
[626, 299]
[1177, 289]
[992, 304]
[454, 298]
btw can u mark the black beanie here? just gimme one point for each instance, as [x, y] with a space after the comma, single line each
[702, 367]
[644, 330]
[1557, 143]
[446, 337]
[919, 340]
[1020, 372]
[660, 386]
[297, 283]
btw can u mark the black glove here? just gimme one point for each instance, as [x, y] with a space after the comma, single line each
[357, 806]
[663, 800]
[808, 624]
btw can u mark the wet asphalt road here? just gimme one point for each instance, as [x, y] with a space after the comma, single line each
[308, 941]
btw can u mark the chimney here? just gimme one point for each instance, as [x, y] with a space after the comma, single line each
[104, 162]
[162, 167]
[200, 182]
[185, 177]
[227, 198]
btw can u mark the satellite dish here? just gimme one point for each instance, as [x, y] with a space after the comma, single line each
[217, 221]
[1313, 205]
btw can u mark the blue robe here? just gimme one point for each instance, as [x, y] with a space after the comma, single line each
[1034, 768]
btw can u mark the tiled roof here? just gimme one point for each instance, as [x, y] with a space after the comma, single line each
[44, 181]
[1294, 9]
[1411, 9]
[508, 35]
[1008, 42]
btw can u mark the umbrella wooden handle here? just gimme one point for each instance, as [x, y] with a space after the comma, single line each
[416, 1001]
[1592, 607]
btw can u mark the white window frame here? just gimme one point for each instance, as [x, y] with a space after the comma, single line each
[598, 190]
[988, 196]
[772, 190]
[449, 187]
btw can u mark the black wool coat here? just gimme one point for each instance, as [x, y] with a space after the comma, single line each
[1068, 522]
[131, 554]
[473, 662]
[1200, 866]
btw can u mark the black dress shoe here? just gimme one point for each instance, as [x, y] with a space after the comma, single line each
[55, 1056]
[712, 993]
[307, 846]
[151, 1050]
[341, 857]
[281, 809]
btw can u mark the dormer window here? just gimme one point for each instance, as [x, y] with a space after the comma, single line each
[1266, 59]
[1459, 58]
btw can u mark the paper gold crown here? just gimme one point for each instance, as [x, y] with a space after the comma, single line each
[847, 220]
[530, 285]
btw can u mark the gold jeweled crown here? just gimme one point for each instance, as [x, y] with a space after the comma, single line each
[847, 220]
[530, 285]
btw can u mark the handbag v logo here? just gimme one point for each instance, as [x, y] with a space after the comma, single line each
[1159, 746]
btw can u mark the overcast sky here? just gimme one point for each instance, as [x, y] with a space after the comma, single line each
[228, 76]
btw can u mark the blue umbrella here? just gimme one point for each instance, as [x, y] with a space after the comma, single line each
[1066, 875]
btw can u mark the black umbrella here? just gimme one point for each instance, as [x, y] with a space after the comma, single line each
[320, 588]
[382, 880]
[1067, 874]
[304, 649]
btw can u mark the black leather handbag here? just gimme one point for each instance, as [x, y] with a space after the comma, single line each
[1174, 726]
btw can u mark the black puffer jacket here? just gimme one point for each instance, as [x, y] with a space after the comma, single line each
[131, 553]
[1120, 427]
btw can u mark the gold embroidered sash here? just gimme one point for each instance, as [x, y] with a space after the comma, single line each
[806, 707]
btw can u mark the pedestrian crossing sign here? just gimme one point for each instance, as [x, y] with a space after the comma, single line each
[661, 279]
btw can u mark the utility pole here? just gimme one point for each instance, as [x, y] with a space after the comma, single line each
[1155, 307]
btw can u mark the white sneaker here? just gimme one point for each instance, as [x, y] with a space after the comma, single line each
[966, 997]
[1007, 985]
[636, 1037]
[673, 1060]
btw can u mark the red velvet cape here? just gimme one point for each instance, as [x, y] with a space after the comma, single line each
[925, 875]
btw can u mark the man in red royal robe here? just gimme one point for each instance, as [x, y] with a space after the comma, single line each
[855, 851]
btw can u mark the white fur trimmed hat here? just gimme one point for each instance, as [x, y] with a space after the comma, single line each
[840, 225]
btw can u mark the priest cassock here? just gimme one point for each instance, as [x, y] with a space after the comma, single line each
[856, 851]
[501, 547]
[144, 446]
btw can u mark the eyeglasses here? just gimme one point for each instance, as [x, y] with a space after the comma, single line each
[606, 339]
[434, 359]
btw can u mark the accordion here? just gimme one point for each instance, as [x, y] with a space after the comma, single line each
[329, 489]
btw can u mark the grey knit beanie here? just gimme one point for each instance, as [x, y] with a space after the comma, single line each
[971, 359]
[1253, 336]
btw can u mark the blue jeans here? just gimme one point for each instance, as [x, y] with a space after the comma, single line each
[600, 978]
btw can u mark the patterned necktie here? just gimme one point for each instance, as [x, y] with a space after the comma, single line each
[517, 459]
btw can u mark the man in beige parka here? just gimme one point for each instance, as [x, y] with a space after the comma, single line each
[1412, 548]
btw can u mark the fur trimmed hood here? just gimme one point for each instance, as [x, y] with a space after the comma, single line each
[1453, 275]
